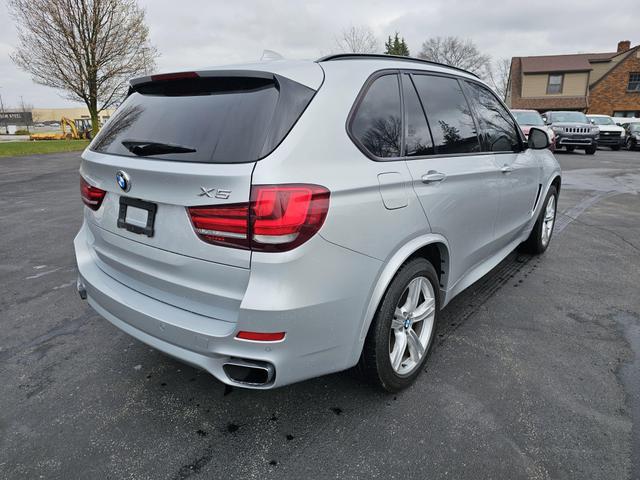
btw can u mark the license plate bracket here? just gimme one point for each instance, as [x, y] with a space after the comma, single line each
[150, 208]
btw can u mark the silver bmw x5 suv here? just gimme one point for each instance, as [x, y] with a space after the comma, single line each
[279, 221]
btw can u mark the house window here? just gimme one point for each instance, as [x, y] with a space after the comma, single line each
[554, 84]
[634, 82]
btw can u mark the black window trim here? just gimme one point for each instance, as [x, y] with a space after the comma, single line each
[405, 126]
[399, 72]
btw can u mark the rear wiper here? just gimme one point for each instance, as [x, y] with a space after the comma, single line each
[144, 149]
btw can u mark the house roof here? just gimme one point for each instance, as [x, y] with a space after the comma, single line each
[580, 62]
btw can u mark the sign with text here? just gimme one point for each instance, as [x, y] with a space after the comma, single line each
[16, 118]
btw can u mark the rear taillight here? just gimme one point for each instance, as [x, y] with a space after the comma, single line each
[278, 218]
[91, 196]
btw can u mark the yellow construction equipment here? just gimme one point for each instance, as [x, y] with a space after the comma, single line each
[80, 128]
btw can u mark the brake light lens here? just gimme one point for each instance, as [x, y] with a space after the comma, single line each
[278, 218]
[223, 225]
[163, 77]
[261, 337]
[91, 196]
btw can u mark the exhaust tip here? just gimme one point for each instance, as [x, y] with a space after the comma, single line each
[82, 291]
[249, 372]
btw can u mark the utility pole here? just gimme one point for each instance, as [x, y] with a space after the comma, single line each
[6, 129]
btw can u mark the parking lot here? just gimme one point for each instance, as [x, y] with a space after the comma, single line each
[535, 372]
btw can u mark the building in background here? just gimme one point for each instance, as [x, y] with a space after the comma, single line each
[598, 83]
[42, 115]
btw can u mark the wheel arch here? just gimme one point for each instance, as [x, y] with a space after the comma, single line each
[433, 247]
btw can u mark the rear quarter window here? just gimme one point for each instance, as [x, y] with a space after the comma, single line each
[376, 125]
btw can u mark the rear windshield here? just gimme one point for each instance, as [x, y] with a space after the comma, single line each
[205, 120]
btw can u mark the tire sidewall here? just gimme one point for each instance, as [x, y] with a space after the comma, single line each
[388, 378]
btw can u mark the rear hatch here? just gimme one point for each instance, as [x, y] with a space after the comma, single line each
[179, 141]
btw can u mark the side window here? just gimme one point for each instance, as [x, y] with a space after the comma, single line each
[498, 128]
[417, 136]
[377, 123]
[449, 115]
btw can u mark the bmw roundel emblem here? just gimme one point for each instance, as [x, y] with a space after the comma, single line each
[123, 180]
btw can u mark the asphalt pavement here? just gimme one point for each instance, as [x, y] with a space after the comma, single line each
[535, 372]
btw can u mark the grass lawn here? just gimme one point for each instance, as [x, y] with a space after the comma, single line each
[19, 149]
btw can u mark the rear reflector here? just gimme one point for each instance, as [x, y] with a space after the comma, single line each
[91, 196]
[278, 218]
[261, 337]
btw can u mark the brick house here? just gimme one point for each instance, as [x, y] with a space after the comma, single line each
[604, 83]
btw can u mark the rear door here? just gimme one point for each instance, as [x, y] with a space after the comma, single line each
[454, 180]
[182, 141]
[519, 182]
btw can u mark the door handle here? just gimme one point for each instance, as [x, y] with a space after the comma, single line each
[432, 177]
[506, 169]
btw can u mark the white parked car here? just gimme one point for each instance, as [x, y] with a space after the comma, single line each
[611, 135]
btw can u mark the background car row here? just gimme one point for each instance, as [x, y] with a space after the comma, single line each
[574, 130]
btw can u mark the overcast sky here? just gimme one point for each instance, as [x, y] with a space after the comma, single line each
[197, 33]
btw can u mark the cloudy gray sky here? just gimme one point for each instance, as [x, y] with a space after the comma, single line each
[196, 33]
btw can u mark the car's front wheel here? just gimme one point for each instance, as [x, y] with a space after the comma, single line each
[540, 236]
[590, 150]
[401, 334]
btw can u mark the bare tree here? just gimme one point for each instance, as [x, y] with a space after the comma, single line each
[457, 52]
[499, 76]
[87, 48]
[357, 40]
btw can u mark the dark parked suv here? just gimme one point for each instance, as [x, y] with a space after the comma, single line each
[573, 130]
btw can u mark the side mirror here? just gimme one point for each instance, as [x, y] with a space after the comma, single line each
[592, 121]
[538, 139]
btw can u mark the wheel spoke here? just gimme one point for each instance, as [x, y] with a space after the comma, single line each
[398, 350]
[415, 286]
[416, 349]
[424, 310]
[397, 323]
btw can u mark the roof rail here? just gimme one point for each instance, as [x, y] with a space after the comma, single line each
[381, 56]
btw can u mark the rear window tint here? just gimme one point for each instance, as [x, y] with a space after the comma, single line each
[206, 120]
[452, 125]
[377, 123]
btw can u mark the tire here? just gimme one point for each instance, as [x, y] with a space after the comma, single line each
[615, 148]
[629, 144]
[538, 242]
[389, 327]
[590, 150]
[570, 148]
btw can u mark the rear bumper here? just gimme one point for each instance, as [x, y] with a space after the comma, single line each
[318, 300]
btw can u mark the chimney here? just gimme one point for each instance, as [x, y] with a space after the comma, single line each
[624, 45]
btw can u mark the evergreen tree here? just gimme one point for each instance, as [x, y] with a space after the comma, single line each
[396, 46]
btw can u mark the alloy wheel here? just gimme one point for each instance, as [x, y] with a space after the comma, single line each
[548, 220]
[411, 327]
